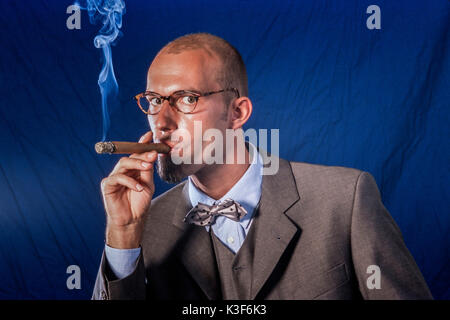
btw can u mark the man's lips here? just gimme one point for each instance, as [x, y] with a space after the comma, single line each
[167, 140]
[172, 144]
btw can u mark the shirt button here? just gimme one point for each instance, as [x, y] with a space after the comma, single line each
[230, 240]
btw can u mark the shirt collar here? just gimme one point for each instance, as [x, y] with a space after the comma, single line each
[247, 191]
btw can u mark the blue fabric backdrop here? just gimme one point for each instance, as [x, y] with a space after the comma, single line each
[376, 100]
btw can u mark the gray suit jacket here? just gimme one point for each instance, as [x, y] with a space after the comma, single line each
[318, 230]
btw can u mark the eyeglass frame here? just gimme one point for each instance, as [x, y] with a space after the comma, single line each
[171, 98]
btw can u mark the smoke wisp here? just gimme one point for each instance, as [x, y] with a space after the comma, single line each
[109, 13]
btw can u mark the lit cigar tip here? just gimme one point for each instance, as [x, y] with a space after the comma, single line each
[104, 147]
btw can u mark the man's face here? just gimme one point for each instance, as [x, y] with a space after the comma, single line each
[190, 70]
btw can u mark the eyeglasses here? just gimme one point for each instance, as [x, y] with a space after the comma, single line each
[184, 101]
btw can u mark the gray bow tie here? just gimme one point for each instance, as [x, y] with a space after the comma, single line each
[204, 215]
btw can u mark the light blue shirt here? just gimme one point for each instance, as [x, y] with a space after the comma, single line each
[247, 191]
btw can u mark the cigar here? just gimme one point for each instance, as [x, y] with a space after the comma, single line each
[117, 147]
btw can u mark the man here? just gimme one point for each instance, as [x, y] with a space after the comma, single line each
[229, 232]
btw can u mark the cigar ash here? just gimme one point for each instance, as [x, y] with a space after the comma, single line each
[105, 147]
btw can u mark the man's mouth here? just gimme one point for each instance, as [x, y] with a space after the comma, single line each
[172, 144]
[175, 146]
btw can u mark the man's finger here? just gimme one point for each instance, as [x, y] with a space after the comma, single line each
[150, 156]
[125, 164]
[146, 179]
[147, 137]
[111, 183]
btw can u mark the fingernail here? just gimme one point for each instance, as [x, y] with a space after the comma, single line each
[145, 164]
[151, 154]
[141, 139]
[139, 187]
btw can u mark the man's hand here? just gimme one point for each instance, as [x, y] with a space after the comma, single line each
[127, 194]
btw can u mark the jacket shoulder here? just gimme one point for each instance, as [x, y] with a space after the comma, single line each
[326, 189]
[336, 175]
[335, 180]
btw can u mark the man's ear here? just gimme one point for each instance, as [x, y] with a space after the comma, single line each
[241, 110]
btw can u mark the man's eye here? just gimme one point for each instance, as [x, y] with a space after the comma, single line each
[188, 100]
[155, 101]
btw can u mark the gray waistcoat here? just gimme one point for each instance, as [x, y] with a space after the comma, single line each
[235, 270]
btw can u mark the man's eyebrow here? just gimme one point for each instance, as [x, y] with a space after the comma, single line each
[189, 90]
[178, 91]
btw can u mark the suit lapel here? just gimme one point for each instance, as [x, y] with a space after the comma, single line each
[197, 253]
[273, 229]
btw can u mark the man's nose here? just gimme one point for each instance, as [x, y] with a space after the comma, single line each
[165, 120]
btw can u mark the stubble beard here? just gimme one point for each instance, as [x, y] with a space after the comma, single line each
[174, 173]
[169, 171]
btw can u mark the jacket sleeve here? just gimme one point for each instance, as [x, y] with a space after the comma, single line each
[132, 287]
[377, 242]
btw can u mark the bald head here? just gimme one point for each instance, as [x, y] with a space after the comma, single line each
[230, 72]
